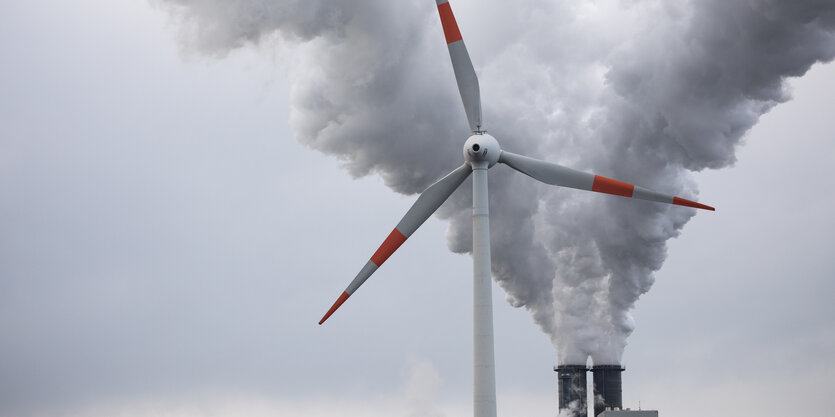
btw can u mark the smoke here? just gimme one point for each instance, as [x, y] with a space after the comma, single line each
[643, 91]
[681, 94]
[574, 409]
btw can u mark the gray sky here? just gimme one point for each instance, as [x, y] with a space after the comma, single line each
[168, 246]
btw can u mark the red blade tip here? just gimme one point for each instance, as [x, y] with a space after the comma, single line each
[688, 203]
[335, 305]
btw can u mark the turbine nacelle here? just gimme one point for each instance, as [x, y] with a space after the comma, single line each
[480, 148]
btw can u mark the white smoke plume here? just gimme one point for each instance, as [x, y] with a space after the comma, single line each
[574, 409]
[643, 91]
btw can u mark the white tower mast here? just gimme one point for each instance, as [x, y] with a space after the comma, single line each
[484, 365]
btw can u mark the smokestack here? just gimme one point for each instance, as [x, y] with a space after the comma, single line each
[572, 388]
[607, 387]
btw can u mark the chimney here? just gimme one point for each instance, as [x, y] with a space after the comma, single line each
[572, 388]
[607, 388]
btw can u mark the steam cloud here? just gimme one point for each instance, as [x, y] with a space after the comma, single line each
[641, 91]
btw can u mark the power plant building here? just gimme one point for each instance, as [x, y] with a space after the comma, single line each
[607, 390]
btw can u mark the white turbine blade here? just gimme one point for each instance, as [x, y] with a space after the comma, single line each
[462, 65]
[426, 204]
[554, 174]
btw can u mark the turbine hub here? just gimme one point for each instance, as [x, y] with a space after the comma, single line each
[482, 148]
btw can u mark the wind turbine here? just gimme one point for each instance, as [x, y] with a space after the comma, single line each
[481, 152]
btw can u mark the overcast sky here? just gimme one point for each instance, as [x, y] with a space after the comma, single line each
[167, 243]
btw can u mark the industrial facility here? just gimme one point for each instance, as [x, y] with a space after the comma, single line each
[608, 391]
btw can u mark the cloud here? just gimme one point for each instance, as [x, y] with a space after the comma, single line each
[422, 390]
[419, 396]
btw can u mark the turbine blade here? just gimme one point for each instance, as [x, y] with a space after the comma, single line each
[426, 204]
[462, 65]
[554, 174]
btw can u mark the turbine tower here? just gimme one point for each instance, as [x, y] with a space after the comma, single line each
[482, 152]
